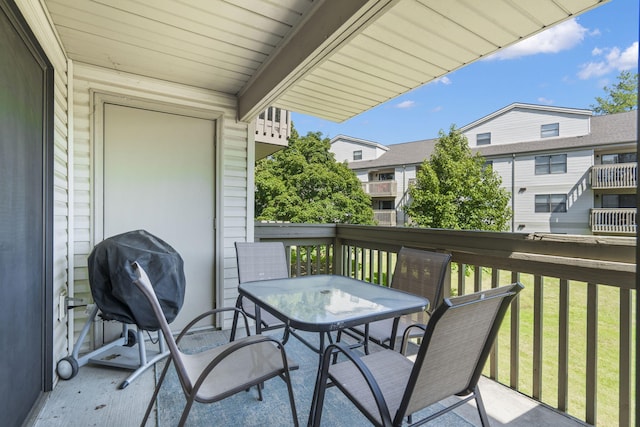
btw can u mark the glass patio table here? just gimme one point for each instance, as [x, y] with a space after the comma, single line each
[326, 303]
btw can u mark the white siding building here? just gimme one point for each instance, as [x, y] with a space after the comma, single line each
[548, 158]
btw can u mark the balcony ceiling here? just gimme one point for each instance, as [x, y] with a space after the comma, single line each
[328, 58]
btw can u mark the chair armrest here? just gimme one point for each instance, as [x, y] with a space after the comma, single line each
[356, 360]
[211, 313]
[406, 334]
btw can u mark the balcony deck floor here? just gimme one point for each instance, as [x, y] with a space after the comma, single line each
[92, 398]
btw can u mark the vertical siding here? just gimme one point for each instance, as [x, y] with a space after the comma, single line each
[39, 24]
[231, 164]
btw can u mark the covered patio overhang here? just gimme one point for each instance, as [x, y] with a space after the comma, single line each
[330, 59]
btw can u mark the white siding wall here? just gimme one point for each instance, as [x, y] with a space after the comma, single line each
[37, 20]
[232, 174]
[503, 167]
[575, 184]
[362, 175]
[344, 148]
[403, 176]
[519, 125]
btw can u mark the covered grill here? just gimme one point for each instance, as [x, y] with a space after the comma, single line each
[117, 298]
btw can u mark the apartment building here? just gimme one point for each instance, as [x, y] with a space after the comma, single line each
[567, 171]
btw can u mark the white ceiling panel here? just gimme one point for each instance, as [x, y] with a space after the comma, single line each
[329, 58]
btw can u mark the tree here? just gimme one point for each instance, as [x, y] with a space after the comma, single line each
[623, 96]
[304, 184]
[457, 190]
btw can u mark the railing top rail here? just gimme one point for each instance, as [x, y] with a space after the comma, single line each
[599, 259]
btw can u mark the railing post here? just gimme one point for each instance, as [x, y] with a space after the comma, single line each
[592, 354]
[625, 358]
[514, 374]
[537, 337]
[563, 347]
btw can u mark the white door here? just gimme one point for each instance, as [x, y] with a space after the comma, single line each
[159, 176]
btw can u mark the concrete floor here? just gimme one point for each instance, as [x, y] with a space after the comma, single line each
[93, 398]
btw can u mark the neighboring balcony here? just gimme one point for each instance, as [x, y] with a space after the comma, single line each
[273, 128]
[620, 221]
[380, 188]
[385, 217]
[615, 176]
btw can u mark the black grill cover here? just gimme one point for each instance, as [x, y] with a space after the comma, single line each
[111, 278]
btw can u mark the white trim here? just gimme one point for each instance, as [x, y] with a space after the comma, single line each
[70, 202]
[251, 180]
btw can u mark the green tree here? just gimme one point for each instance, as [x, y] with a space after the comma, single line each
[455, 189]
[621, 97]
[304, 184]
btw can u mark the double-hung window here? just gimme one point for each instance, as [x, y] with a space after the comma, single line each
[551, 203]
[556, 163]
[357, 155]
[483, 138]
[549, 130]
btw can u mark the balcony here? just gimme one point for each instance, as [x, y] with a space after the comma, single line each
[273, 128]
[567, 341]
[615, 176]
[620, 221]
[380, 188]
[386, 217]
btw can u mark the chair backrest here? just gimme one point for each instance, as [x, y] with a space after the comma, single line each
[422, 273]
[455, 347]
[144, 284]
[261, 261]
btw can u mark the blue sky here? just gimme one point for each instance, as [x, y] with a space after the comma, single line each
[565, 66]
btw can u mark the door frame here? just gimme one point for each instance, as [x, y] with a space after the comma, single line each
[23, 30]
[98, 100]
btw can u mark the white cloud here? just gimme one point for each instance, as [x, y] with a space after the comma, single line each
[436, 109]
[443, 80]
[544, 101]
[612, 59]
[561, 37]
[406, 104]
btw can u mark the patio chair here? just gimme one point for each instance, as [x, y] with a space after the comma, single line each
[386, 386]
[419, 272]
[259, 261]
[214, 374]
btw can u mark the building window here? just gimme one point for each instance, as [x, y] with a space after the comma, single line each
[549, 130]
[483, 138]
[357, 155]
[386, 176]
[551, 203]
[611, 159]
[616, 201]
[556, 163]
[386, 205]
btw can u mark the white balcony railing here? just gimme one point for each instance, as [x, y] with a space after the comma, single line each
[385, 217]
[380, 188]
[614, 221]
[620, 175]
[273, 128]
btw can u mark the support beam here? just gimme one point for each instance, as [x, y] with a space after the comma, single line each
[328, 26]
